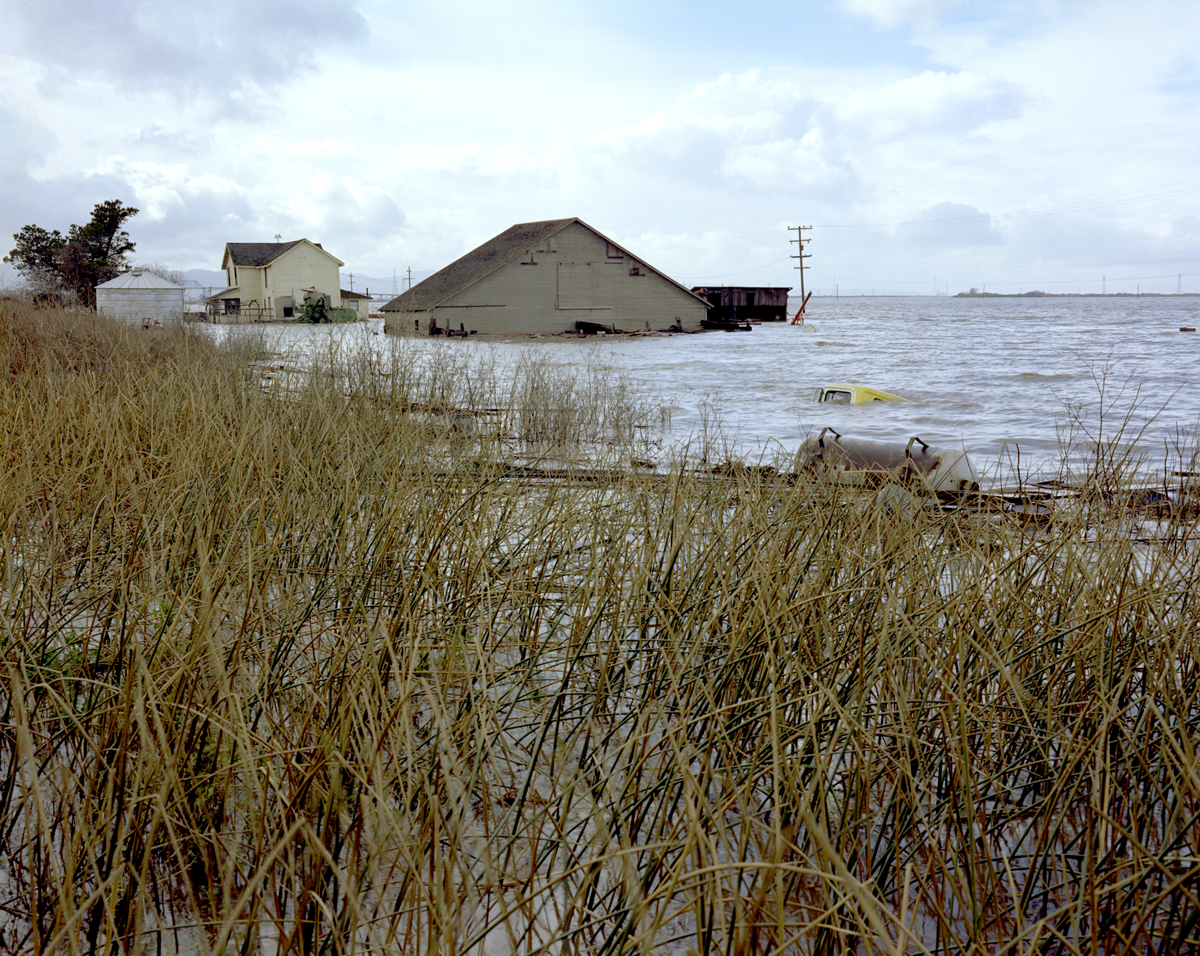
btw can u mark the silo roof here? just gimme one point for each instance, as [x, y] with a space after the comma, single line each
[139, 279]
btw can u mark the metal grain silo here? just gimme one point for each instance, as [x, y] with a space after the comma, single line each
[140, 297]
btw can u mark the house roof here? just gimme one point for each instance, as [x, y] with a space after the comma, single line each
[139, 279]
[224, 294]
[347, 294]
[259, 254]
[486, 259]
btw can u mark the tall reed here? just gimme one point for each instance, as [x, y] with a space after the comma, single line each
[286, 669]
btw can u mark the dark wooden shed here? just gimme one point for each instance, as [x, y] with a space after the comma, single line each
[745, 303]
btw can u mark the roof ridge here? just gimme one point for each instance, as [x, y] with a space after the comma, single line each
[480, 262]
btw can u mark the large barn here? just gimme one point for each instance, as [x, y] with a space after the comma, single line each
[560, 275]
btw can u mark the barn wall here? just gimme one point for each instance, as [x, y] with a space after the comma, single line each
[136, 305]
[573, 276]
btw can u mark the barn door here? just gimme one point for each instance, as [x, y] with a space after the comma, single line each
[574, 285]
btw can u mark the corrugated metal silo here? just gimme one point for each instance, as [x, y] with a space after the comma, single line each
[140, 296]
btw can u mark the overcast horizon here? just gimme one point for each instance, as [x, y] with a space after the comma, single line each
[1015, 145]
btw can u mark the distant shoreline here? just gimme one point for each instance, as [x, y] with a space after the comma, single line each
[1036, 294]
[1013, 295]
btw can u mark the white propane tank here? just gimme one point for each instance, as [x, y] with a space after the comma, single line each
[866, 460]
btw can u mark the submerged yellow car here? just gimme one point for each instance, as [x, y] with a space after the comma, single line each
[856, 395]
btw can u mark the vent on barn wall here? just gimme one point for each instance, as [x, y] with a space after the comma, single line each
[635, 270]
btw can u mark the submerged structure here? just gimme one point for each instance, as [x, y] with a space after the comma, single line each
[745, 303]
[553, 276]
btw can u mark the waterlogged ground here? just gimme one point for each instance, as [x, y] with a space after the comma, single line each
[1008, 379]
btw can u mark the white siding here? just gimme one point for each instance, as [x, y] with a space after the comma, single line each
[302, 267]
[266, 290]
[138, 305]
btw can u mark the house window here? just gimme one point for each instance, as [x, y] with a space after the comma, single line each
[232, 306]
[611, 251]
[288, 305]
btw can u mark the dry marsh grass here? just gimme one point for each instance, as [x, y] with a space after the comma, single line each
[287, 672]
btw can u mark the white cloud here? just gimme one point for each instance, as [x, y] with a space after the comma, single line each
[789, 163]
[213, 46]
[952, 104]
[951, 224]
[415, 132]
[890, 14]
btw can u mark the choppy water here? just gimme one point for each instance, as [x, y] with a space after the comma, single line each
[990, 375]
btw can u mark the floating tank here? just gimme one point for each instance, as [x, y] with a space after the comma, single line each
[867, 461]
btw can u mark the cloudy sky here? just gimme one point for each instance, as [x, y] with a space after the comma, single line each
[1015, 144]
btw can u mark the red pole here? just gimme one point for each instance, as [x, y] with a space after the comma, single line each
[800, 311]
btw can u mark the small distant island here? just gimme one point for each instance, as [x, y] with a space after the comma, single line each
[1038, 293]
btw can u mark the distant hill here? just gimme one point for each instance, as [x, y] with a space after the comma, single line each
[207, 277]
[381, 287]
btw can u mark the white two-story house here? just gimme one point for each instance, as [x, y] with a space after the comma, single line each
[269, 280]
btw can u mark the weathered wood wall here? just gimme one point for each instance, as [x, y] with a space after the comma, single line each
[574, 276]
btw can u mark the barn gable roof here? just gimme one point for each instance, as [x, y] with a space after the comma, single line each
[487, 258]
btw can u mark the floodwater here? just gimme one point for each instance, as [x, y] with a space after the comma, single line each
[1006, 379]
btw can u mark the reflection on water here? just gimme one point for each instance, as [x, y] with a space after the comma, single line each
[990, 375]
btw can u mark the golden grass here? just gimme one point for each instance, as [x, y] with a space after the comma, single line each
[300, 671]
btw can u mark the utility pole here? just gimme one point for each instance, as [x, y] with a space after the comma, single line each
[801, 255]
[410, 274]
[351, 281]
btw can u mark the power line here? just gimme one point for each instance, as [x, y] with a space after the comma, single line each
[726, 275]
[800, 256]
